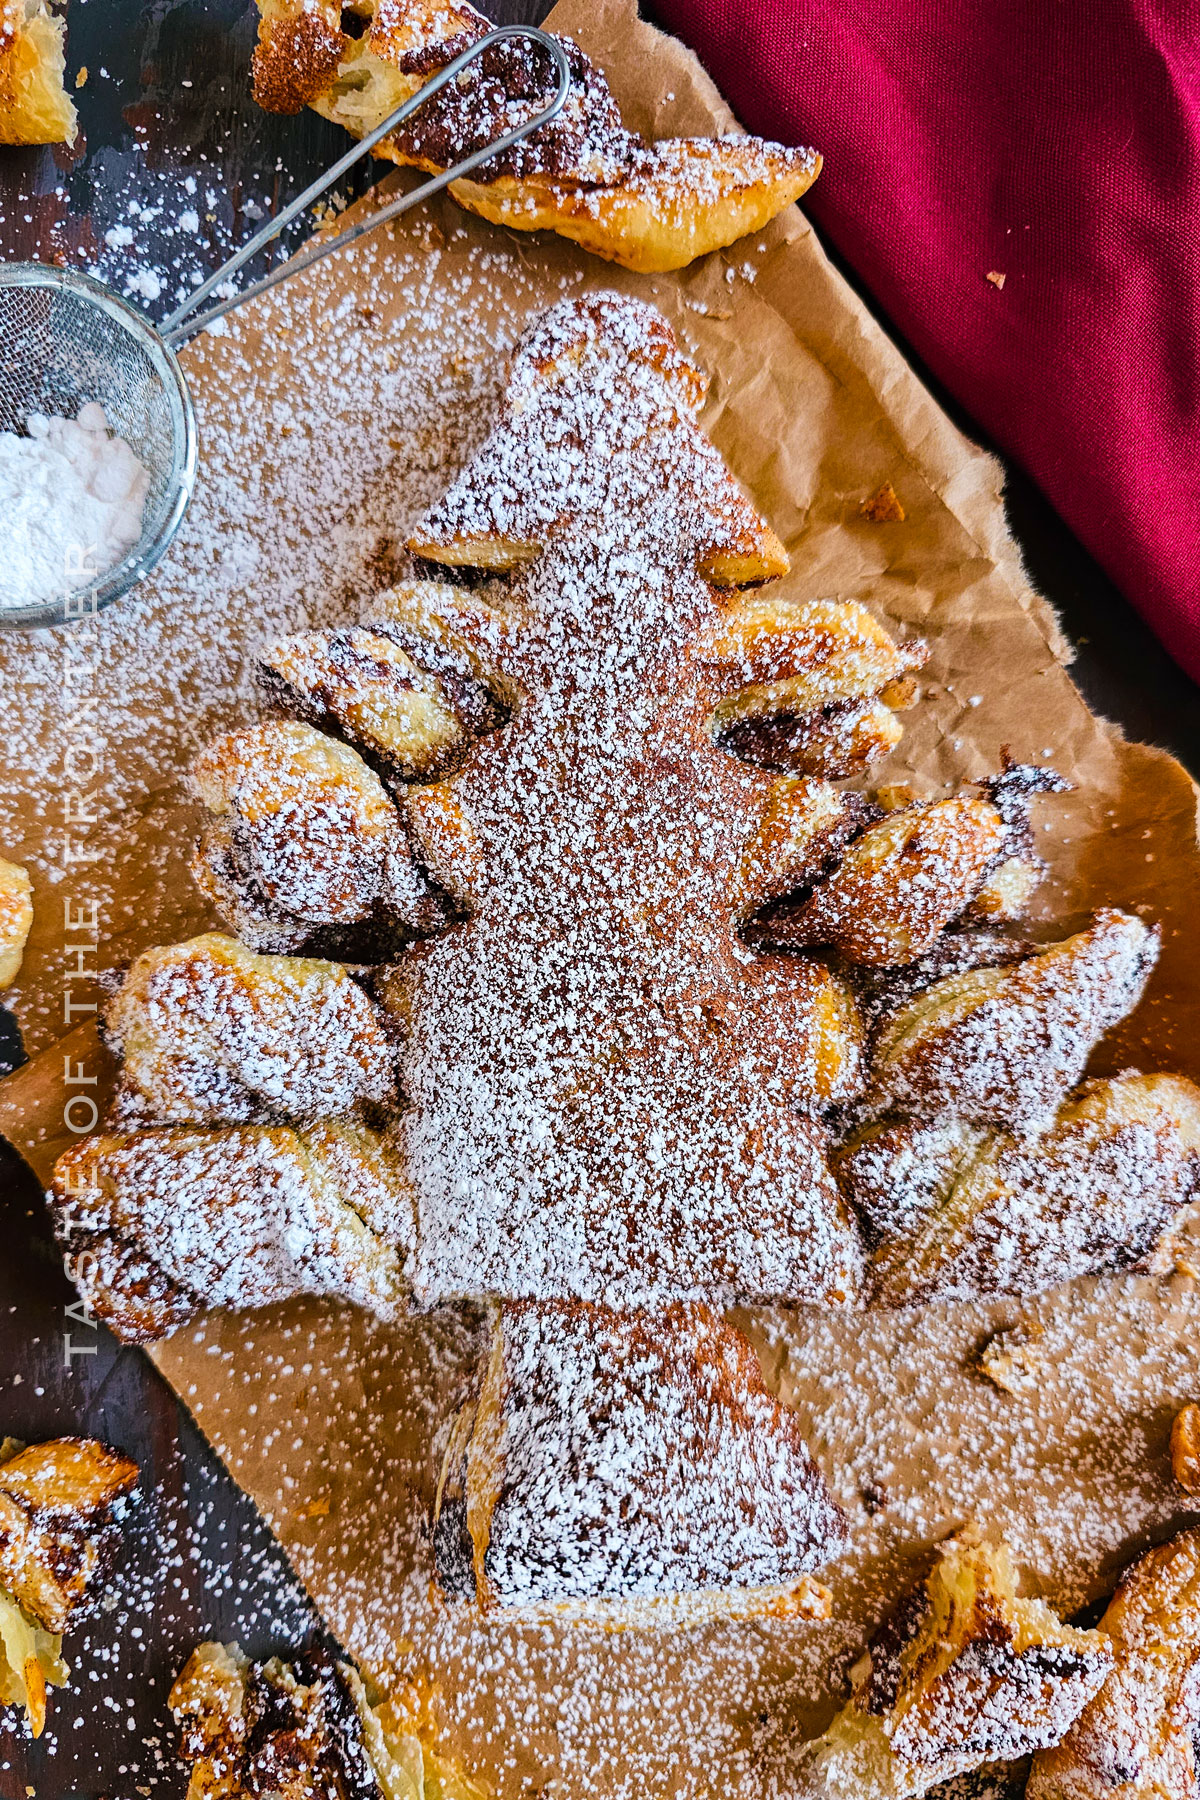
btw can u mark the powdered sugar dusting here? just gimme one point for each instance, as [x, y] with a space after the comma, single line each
[336, 420]
[270, 1214]
[209, 1035]
[643, 1458]
[1076, 1474]
[914, 1443]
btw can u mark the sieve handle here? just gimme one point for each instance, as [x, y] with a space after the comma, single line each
[185, 321]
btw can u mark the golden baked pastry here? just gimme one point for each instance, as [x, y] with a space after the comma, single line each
[957, 1211]
[964, 1674]
[60, 1510]
[880, 891]
[1139, 1739]
[412, 719]
[16, 918]
[304, 850]
[34, 108]
[162, 1225]
[1185, 1448]
[623, 1469]
[646, 206]
[209, 1033]
[306, 1729]
[1001, 1045]
[819, 679]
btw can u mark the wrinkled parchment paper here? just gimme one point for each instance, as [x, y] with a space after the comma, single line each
[331, 1421]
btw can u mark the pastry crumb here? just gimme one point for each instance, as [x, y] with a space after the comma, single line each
[996, 278]
[1013, 1359]
[883, 508]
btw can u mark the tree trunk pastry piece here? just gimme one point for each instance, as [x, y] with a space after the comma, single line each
[646, 206]
[630, 1470]
[60, 1509]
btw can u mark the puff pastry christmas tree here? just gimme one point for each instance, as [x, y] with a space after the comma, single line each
[668, 1023]
[610, 1098]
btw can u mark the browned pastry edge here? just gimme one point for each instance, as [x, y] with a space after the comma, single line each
[954, 1210]
[307, 1728]
[880, 891]
[1139, 1738]
[162, 1224]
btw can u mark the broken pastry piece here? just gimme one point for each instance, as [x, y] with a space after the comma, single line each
[1002, 1045]
[583, 175]
[963, 1675]
[880, 891]
[163, 1225]
[820, 680]
[34, 108]
[956, 1211]
[1139, 1738]
[16, 918]
[304, 851]
[60, 1512]
[209, 1033]
[630, 1469]
[307, 1729]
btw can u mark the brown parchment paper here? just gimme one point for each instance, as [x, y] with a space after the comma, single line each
[324, 416]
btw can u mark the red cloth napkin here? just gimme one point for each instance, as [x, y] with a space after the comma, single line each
[1055, 143]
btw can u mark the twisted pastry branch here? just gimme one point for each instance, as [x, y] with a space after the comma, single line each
[584, 175]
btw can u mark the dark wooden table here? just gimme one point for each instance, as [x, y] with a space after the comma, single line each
[176, 166]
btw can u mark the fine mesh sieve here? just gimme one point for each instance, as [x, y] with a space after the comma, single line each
[66, 339]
